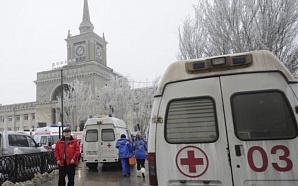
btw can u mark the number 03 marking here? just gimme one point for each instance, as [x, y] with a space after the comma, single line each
[276, 166]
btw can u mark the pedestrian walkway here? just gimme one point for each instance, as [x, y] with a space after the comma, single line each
[106, 176]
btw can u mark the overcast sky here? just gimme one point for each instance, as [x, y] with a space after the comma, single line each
[142, 38]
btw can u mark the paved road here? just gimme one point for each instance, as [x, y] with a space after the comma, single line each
[105, 176]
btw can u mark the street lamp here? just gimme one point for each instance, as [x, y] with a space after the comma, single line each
[61, 114]
[59, 125]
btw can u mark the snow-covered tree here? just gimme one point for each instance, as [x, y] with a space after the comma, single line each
[224, 26]
[143, 104]
[77, 103]
[116, 98]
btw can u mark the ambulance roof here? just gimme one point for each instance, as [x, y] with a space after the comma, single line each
[47, 130]
[261, 60]
[106, 120]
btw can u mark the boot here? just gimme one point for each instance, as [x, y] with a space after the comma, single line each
[138, 173]
[143, 170]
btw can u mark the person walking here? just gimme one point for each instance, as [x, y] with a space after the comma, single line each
[66, 154]
[140, 149]
[124, 152]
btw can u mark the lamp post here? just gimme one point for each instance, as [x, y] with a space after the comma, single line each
[61, 114]
[59, 125]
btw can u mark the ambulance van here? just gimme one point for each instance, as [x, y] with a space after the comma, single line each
[100, 136]
[47, 137]
[225, 121]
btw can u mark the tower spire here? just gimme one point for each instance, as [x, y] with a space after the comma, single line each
[86, 25]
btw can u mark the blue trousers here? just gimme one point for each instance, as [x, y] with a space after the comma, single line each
[125, 166]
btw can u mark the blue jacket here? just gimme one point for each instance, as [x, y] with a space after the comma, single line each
[124, 148]
[140, 148]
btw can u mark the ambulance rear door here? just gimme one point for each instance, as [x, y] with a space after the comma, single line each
[262, 127]
[109, 152]
[92, 143]
[191, 142]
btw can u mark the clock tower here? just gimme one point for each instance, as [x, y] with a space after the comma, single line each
[87, 46]
[86, 62]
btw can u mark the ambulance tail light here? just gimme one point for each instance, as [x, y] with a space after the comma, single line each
[152, 169]
[81, 147]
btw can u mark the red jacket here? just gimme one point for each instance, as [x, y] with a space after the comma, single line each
[72, 150]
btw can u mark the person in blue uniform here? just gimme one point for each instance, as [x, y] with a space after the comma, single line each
[140, 149]
[124, 152]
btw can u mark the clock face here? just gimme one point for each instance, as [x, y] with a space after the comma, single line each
[80, 50]
[98, 51]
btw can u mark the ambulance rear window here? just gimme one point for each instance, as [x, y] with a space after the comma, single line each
[107, 135]
[263, 115]
[91, 135]
[191, 121]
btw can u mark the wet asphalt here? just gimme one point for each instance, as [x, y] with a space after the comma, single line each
[105, 175]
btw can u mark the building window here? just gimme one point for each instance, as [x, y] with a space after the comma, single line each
[9, 118]
[18, 117]
[2, 119]
[26, 116]
[33, 115]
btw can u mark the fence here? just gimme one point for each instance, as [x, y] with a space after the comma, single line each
[22, 167]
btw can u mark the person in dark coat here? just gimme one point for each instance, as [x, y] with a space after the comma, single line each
[66, 153]
[124, 152]
[140, 149]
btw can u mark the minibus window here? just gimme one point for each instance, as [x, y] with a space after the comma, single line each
[108, 135]
[263, 115]
[91, 135]
[191, 121]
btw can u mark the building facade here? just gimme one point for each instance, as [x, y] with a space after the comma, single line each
[86, 61]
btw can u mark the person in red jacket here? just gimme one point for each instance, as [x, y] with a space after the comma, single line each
[66, 153]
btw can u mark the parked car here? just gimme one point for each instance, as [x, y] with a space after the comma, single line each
[12, 142]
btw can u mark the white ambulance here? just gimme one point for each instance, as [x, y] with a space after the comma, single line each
[47, 137]
[100, 136]
[228, 120]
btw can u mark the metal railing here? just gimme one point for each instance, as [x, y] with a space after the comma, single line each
[22, 167]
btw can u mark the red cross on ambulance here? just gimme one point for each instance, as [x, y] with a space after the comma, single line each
[192, 161]
[109, 145]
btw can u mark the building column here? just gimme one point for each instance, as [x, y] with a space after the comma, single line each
[5, 122]
[57, 115]
[14, 123]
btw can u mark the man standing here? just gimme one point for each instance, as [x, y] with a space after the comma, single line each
[66, 154]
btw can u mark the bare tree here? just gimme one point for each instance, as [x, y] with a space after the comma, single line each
[222, 26]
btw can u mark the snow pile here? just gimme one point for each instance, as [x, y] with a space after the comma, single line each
[36, 181]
